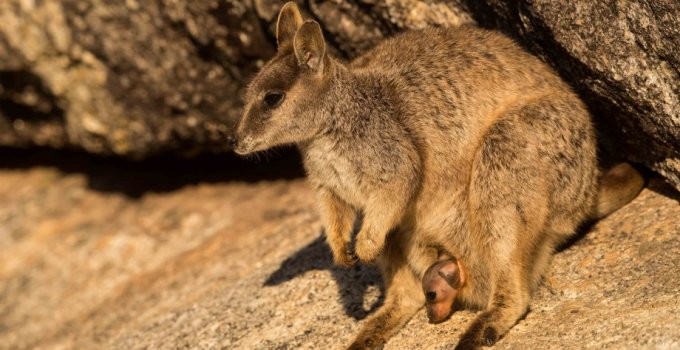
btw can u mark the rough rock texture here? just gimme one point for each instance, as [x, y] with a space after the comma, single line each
[112, 255]
[136, 78]
[126, 77]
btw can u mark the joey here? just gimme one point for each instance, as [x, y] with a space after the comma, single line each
[441, 283]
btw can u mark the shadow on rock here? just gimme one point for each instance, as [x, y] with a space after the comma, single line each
[352, 283]
[662, 187]
[158, 174]
[579, 235]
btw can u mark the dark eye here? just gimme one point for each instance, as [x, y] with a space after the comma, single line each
[273, 98]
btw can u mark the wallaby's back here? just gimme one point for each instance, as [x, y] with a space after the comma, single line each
[454, 83]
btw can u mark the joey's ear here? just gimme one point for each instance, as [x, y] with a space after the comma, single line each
[309, 46]
[452, 272]
[290, 20]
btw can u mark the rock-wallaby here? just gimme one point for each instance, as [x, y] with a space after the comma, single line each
[446, 140]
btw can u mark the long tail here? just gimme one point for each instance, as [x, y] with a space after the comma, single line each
[618, 186]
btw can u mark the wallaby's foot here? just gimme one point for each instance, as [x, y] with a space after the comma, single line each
[367, 249]
[481, 332]
[345, 257]
[491, 325]
[367, 342]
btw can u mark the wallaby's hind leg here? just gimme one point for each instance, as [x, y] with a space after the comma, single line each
[403, 299]
[509, 202]
[511, 289]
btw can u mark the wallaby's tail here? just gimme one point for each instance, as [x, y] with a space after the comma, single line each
[618, 186]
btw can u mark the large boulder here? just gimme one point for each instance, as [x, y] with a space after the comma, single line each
[137, 78]
[131, 78]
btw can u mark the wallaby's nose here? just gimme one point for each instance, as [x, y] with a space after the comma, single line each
[232, 141]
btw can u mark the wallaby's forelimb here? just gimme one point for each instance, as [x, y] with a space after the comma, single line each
[339, 219]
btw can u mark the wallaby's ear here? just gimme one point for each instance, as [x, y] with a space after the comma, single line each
[290, 20]
[309, 46]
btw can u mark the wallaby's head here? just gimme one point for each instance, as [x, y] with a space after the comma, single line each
[281, 100]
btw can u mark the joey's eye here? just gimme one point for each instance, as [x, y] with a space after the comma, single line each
[273, 98]
[431, 296]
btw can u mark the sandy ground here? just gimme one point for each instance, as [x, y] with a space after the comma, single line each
[222, 253]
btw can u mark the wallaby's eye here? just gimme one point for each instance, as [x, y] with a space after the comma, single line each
[273, 98]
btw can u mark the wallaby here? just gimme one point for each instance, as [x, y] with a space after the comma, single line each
[446, 140]
[441, 283]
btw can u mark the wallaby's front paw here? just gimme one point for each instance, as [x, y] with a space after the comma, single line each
[345, 258]
[367, 250]
[480, 333]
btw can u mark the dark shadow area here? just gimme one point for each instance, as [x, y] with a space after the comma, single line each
[157, 174]
[580, 233]
[19, 86]
[660, 186]
[352, 283]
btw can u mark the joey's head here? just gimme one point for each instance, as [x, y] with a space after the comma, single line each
[283, 100]
[441, 285]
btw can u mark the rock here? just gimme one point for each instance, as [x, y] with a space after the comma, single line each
[131, 78]
[105, 254]
[139, 78]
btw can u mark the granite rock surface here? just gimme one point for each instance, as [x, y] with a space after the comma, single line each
[106, 254]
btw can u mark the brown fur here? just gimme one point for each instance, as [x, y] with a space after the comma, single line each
[451, 139]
